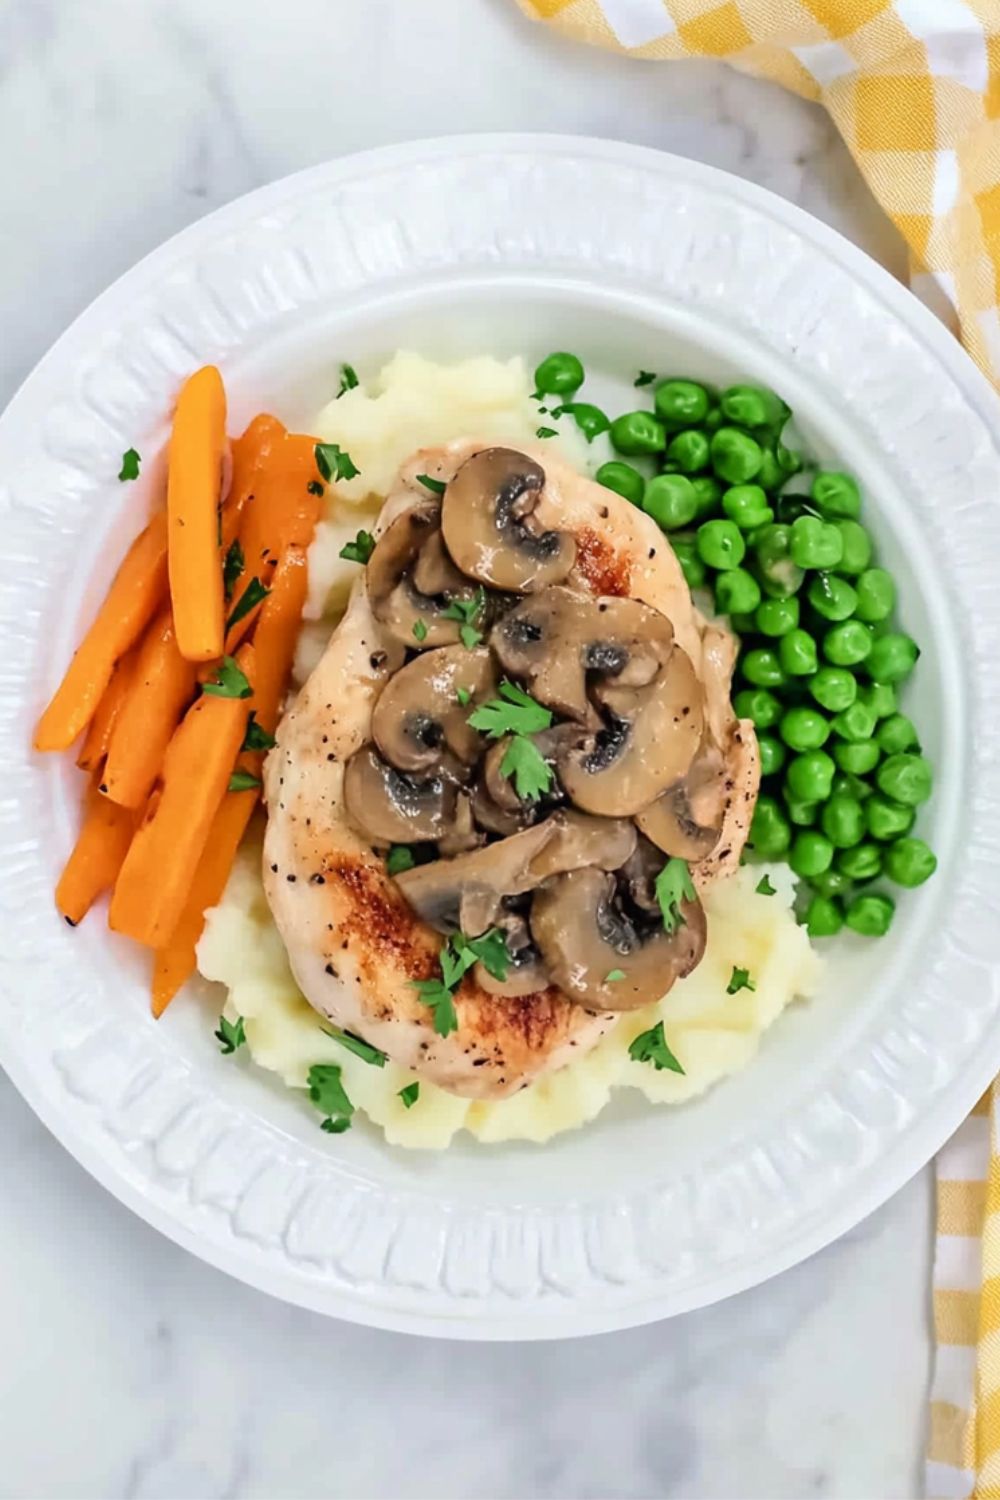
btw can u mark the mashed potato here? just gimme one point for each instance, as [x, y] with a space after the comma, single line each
[413, 403]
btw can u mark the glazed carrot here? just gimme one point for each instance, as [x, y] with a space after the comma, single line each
[153, 885]
[97, 856]
[250, 451]
[197, 448]
[98, 736]
[276, 634]
[136, 591]
[161, 689]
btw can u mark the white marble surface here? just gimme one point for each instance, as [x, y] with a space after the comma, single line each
[128, 1368]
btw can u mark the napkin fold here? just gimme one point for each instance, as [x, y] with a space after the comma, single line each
[913, 86]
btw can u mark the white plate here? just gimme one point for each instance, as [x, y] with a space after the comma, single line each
[512, 244]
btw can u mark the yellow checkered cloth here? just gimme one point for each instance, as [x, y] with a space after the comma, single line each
[914, 88]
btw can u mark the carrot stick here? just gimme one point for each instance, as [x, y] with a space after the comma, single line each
[161, 689]
[197, 446]
[250, 451]
[135, 592]
[98, 736]
[97, 856]
[155, 879]
[276, 634]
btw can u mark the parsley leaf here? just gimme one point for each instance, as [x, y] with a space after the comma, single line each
[243, 781]
[409, 1095]
[399, 858]
[436, 994]
[470, 636]
[348, 380]
[613, 976]
[255, 593]
[419, 630]
[764, 887]
[230, 682]
[644, 377]
[257, 737]
[468, 611]
[130, 465]
[333, 463]
[545, 432]
[527, 765]
[490, 950]
[651, 1046]
[330, 1097]
[232, 568]
[673, 885]
[436, 486]
[230, 1035]
[360, 550]
[356, 1044]
[456, 958]
[740, 980]
[464, 696]
[514, 712]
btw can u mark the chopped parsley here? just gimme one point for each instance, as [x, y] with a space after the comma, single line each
[651, 1047]
[356, 1044]
[409, 1095]
[673, 885]
[764, 887]
[436, 994]
[614, 975]
[333, 463]
[130, 465]
[740, 980]
[232, 568]
[315, 488]
[330, 1097]
[436, 486]
[464, 696]
[255, 593]
[419, 631]
[490, 950]
[644, 377]
[360, 550]
[399, 858]
[230, 1035]
[514, 712]
[545, 432]
[468, 611]
[257, 737]
[243, 781]
[348, 380]
[456, 958]
[230, 682]
[531, 772]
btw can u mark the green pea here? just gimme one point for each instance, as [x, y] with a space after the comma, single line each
[720, 544]
[714, 419]
[746, 504]
[834, 688]
[857, 547]
[876, 596]
[681, 403]
[811, 854]
[836, 495]
[910, 862]
[815, 543]
[892, 658]
[870, 915]
[880, 697]
[804, 729]
[906, 778]
[772, 754]
[638, 432]
[802, 814]
[694, 570]
[762, 668]
[559, 375]
[833, 883]
[623, 479]
[753, 406]
[708, 493]
[776, 617]
[863, 862]
[810, 776]
[887, 819]
[788, 459]
[780, 576]
[897, 733]
[757, 704]
[589, 418]
[843, 821]
[742, 624]
[770, 475]
[823, 917]
[847, 785]
[831, 597]
[689, 451]
[797, 653]
[855, 723]
[737, 592]
[770, 834]
[846, 645]
[736, 457]
[857, 758]
[670, 500]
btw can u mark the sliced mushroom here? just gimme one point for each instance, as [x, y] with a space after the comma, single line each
[650, 738]
[419, 716]
[463, 833]
[503, 820]
[560, 639]
[580, 841]
[687, 820]
[467, 891]
[389, 807]
[489, 527]
[526, 973]
[396, 601]
[584, 934]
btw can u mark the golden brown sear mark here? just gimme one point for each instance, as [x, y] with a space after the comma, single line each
[605, 569]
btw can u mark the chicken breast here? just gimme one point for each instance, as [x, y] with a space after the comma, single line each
[354, 944]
